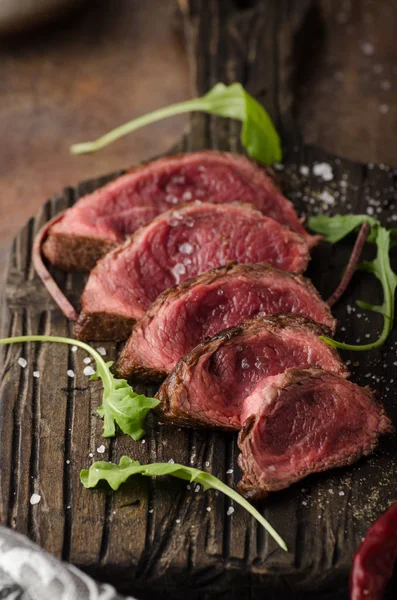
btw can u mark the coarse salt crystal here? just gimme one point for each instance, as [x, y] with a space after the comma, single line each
[174, 219]
[143, 442]
[229, 471]
[101, 350]
[35, 499]
[171, 199]
[87, 360]
[88, 371]
[304, 170]
[70, 373]
[74, 348]
[323, 170]
[245, 364]
[341, 493]
[90, 454]
[197, 488]
[186, 248]
[178, 270]
[177, 521]
[36, 374]
[171, 461]
[327, 197]
[101, 449]
[151, 510]
[22, 362]
[187, 195]
[208, 509]
[230, 511]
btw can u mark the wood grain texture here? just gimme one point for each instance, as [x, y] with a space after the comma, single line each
[156, 538]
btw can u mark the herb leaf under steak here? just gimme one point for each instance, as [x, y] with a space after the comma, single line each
[120, 404]
[115, 475]
[258, 135]
[334, 229]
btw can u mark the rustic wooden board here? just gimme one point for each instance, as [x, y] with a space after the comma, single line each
[157, 538]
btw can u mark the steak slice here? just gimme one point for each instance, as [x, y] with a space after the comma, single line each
[179, 244]
[102, 220]
[305, 421]
[210, 385]
[184, 315]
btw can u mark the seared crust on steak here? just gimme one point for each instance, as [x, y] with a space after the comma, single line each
[75, 253]
[100, 326]
[209, 386]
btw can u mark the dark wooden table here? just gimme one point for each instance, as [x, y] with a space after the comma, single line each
[277, 49]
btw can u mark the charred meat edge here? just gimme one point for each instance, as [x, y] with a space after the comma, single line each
[274, 323]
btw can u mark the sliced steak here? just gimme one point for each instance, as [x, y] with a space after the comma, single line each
[102, 220]
[184, 315]
[305, 421]
[210, 385]
[179, 244]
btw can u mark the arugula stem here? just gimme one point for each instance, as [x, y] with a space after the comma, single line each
[360, 348]
[130, 126]
[220, 486]
[63, 340]
[117, 474]
[352, 264]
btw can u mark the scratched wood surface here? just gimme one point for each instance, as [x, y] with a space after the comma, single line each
[156, 538]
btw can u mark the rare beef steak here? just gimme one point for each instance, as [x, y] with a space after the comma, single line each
[179, 244]
[304, 421]
[184, 315]
[210, 385]
[103, 219]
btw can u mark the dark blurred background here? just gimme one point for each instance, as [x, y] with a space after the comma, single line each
[101, 64]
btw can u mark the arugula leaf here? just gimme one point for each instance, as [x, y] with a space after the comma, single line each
[337, 227]
[258, 134]
[115, 475]
[120, 404]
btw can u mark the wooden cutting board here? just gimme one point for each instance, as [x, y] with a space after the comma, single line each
[156, 538]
